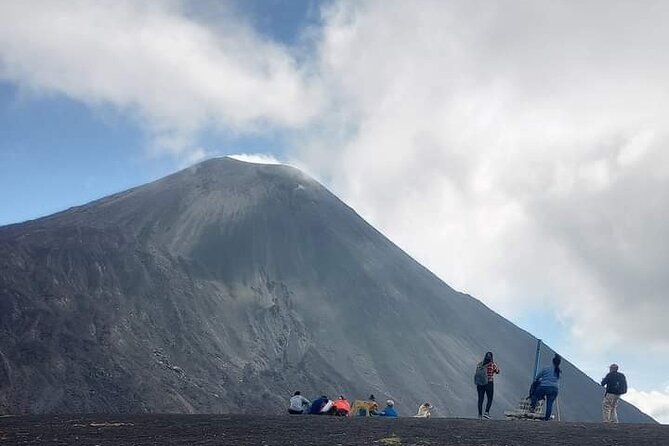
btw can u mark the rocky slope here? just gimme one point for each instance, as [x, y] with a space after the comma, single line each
[228, 285]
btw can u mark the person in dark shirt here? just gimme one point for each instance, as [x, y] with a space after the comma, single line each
[318, 405]
[616, 385]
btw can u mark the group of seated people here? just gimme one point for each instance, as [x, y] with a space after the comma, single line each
[342, 407]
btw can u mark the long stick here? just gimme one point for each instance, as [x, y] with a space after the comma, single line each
[557, 402]
[536, 360]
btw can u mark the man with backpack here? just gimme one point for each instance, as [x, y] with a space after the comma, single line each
[616, 385]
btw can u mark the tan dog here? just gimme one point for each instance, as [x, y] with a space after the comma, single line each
[367, 406]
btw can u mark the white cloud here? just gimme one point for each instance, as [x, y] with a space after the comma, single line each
[152, 60]
[194, 155]
[517, 150]
[257, 158]
[655, 403]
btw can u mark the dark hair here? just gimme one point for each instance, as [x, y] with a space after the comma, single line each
[557, 359]
[297, 392]
[487, 358]
[371, 397]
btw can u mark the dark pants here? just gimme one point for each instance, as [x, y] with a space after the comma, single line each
[483, 391]
[295, 412]
[550, 393]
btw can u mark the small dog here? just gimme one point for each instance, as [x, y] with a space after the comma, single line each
[424, 411]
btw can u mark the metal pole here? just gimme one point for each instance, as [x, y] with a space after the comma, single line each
[536, 360]
[557, 403]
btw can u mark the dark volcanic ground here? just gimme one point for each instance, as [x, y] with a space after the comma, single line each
[312, 430]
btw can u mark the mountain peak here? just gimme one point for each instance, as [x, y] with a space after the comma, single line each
[231, 284]
[226, 164]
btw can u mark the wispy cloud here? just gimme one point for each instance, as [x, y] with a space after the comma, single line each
[151, 60]
[257, 158]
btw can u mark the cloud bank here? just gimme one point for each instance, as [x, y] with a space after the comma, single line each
[517, 150]
[655, 403]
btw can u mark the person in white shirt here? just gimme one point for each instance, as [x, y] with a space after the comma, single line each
[298, 404]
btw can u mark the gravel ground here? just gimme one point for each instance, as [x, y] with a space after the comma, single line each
[310, 430]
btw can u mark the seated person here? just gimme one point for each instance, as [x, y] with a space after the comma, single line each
[389, 410]
[342, 406]
[322, 406]
[298, 404]
[329, 408]
[424, 410]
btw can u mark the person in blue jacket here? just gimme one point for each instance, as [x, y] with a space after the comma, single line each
[389, 410]
[547, 385]
[318, 405]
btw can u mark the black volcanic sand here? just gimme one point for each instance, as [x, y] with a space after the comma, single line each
[312, 430]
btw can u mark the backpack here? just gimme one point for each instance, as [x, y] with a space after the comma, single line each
[617, 385]
[481, 375]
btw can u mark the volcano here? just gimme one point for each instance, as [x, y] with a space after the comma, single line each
[226, 286]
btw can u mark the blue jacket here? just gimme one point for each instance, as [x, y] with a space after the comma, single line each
[547, 377]
[317, 405]
[388, 411]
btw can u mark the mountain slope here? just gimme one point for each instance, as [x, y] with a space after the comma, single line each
[228, 285]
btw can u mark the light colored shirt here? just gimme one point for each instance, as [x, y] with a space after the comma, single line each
[423, 411]
[327, 406]
[547, 377]
[298, 402]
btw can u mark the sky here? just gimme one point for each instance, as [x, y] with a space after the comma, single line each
[516, 149]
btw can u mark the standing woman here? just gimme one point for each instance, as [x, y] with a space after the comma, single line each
[547, 386]
[488, 389]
